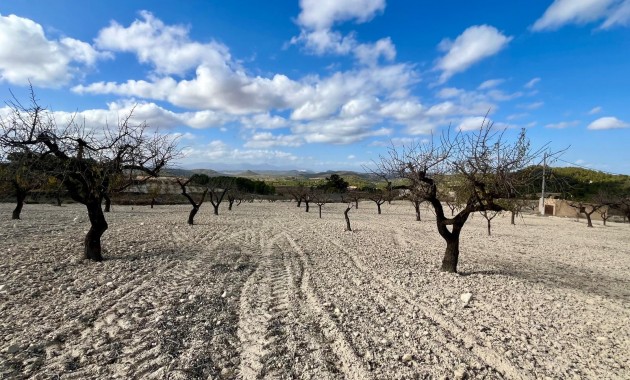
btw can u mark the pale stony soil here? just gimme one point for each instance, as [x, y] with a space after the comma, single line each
[269, 291]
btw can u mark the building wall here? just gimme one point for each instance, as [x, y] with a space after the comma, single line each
[562, 208]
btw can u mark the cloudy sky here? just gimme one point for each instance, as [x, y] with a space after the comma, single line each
[330, 84]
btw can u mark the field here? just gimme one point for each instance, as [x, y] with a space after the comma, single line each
[269, 291]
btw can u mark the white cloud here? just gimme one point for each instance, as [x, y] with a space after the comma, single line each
[322, 14]
[339, 131]
[618, 16]
[166, 47]
[474, 44]
[351, 157]
[531, 106]
[449, 92]
[27, 55]
[595, 110]
[268, 140]
[491, 83]
[607, 123]
[532, 83]
[562, 12]
[219, 152]
[402, 109]
[473, 123]
[317, 18]
[264, 121]
[563, 124]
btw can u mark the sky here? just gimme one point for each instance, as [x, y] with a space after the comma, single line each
[329, 84]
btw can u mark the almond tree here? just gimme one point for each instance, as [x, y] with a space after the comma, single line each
[195, 205]
[481, 165]
[86, 158]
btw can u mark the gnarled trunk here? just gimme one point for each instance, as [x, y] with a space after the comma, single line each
[378, 206]
[345, 214]
[307, 205]
[512, 217]
[108, 203]
[416, 205]
[588, 220]
[191, 216]
[451, 255]
[98, 226]
[230, 204]
[20, 197]
[216, 209]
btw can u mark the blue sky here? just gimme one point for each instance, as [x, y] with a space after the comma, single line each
[330, 84]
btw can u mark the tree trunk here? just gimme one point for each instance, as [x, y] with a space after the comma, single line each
[307, 205]
[216, 209]
[588, 220]
[416, 205]
[108, 203]
[320, 212]
[98, 226]
[191, 216]
[356, 203]
[299, 204]
[20, 197]
[152, 202]
[451, 255]
[230, 203]
[378, 206]
[512, 217]
[58, 197]
[345, 214]
[489, 233]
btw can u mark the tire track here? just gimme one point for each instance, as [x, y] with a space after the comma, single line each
[450, 330]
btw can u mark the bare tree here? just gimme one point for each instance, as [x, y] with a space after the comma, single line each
[481, 166]
[195, 205]
[87, 158]
[378, 197]
[298, 193]
[416, 201]
[218, 190]
[345, 215]
[488, 215]
[20, 175]
[320, 197]
[588, 209]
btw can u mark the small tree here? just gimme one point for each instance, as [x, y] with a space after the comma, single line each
[488, 216]
[588, 209]
[335, 183]
[416, 201]
[320, 197]
[378, 197]
[23, 173]
[85, 160]
[219, 187]
[195, 206]
[481, 165]
[346, 217]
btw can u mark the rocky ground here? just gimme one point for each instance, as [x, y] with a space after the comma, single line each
[267, 291]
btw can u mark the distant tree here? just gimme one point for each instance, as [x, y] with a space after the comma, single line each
[195, 205]
[21, 174]
[484, 165]
[335, 183]
[488, 215]
[346, 217]
[219, 187]
[416, 201]
[297, 192]
[321, 197]
[86, 158]
[378, 197]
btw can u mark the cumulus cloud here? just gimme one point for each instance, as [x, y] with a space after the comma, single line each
[166, 47]
[322, 14]
[562, 12]
[219, 152]
[473, 123]
[26, 54]
[608, 122]
[473, 45]
[317, 18]
[268, 140]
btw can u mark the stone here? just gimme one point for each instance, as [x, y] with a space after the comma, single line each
[460, 373]
[406, 358]
[466, 297]
[12, 349]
